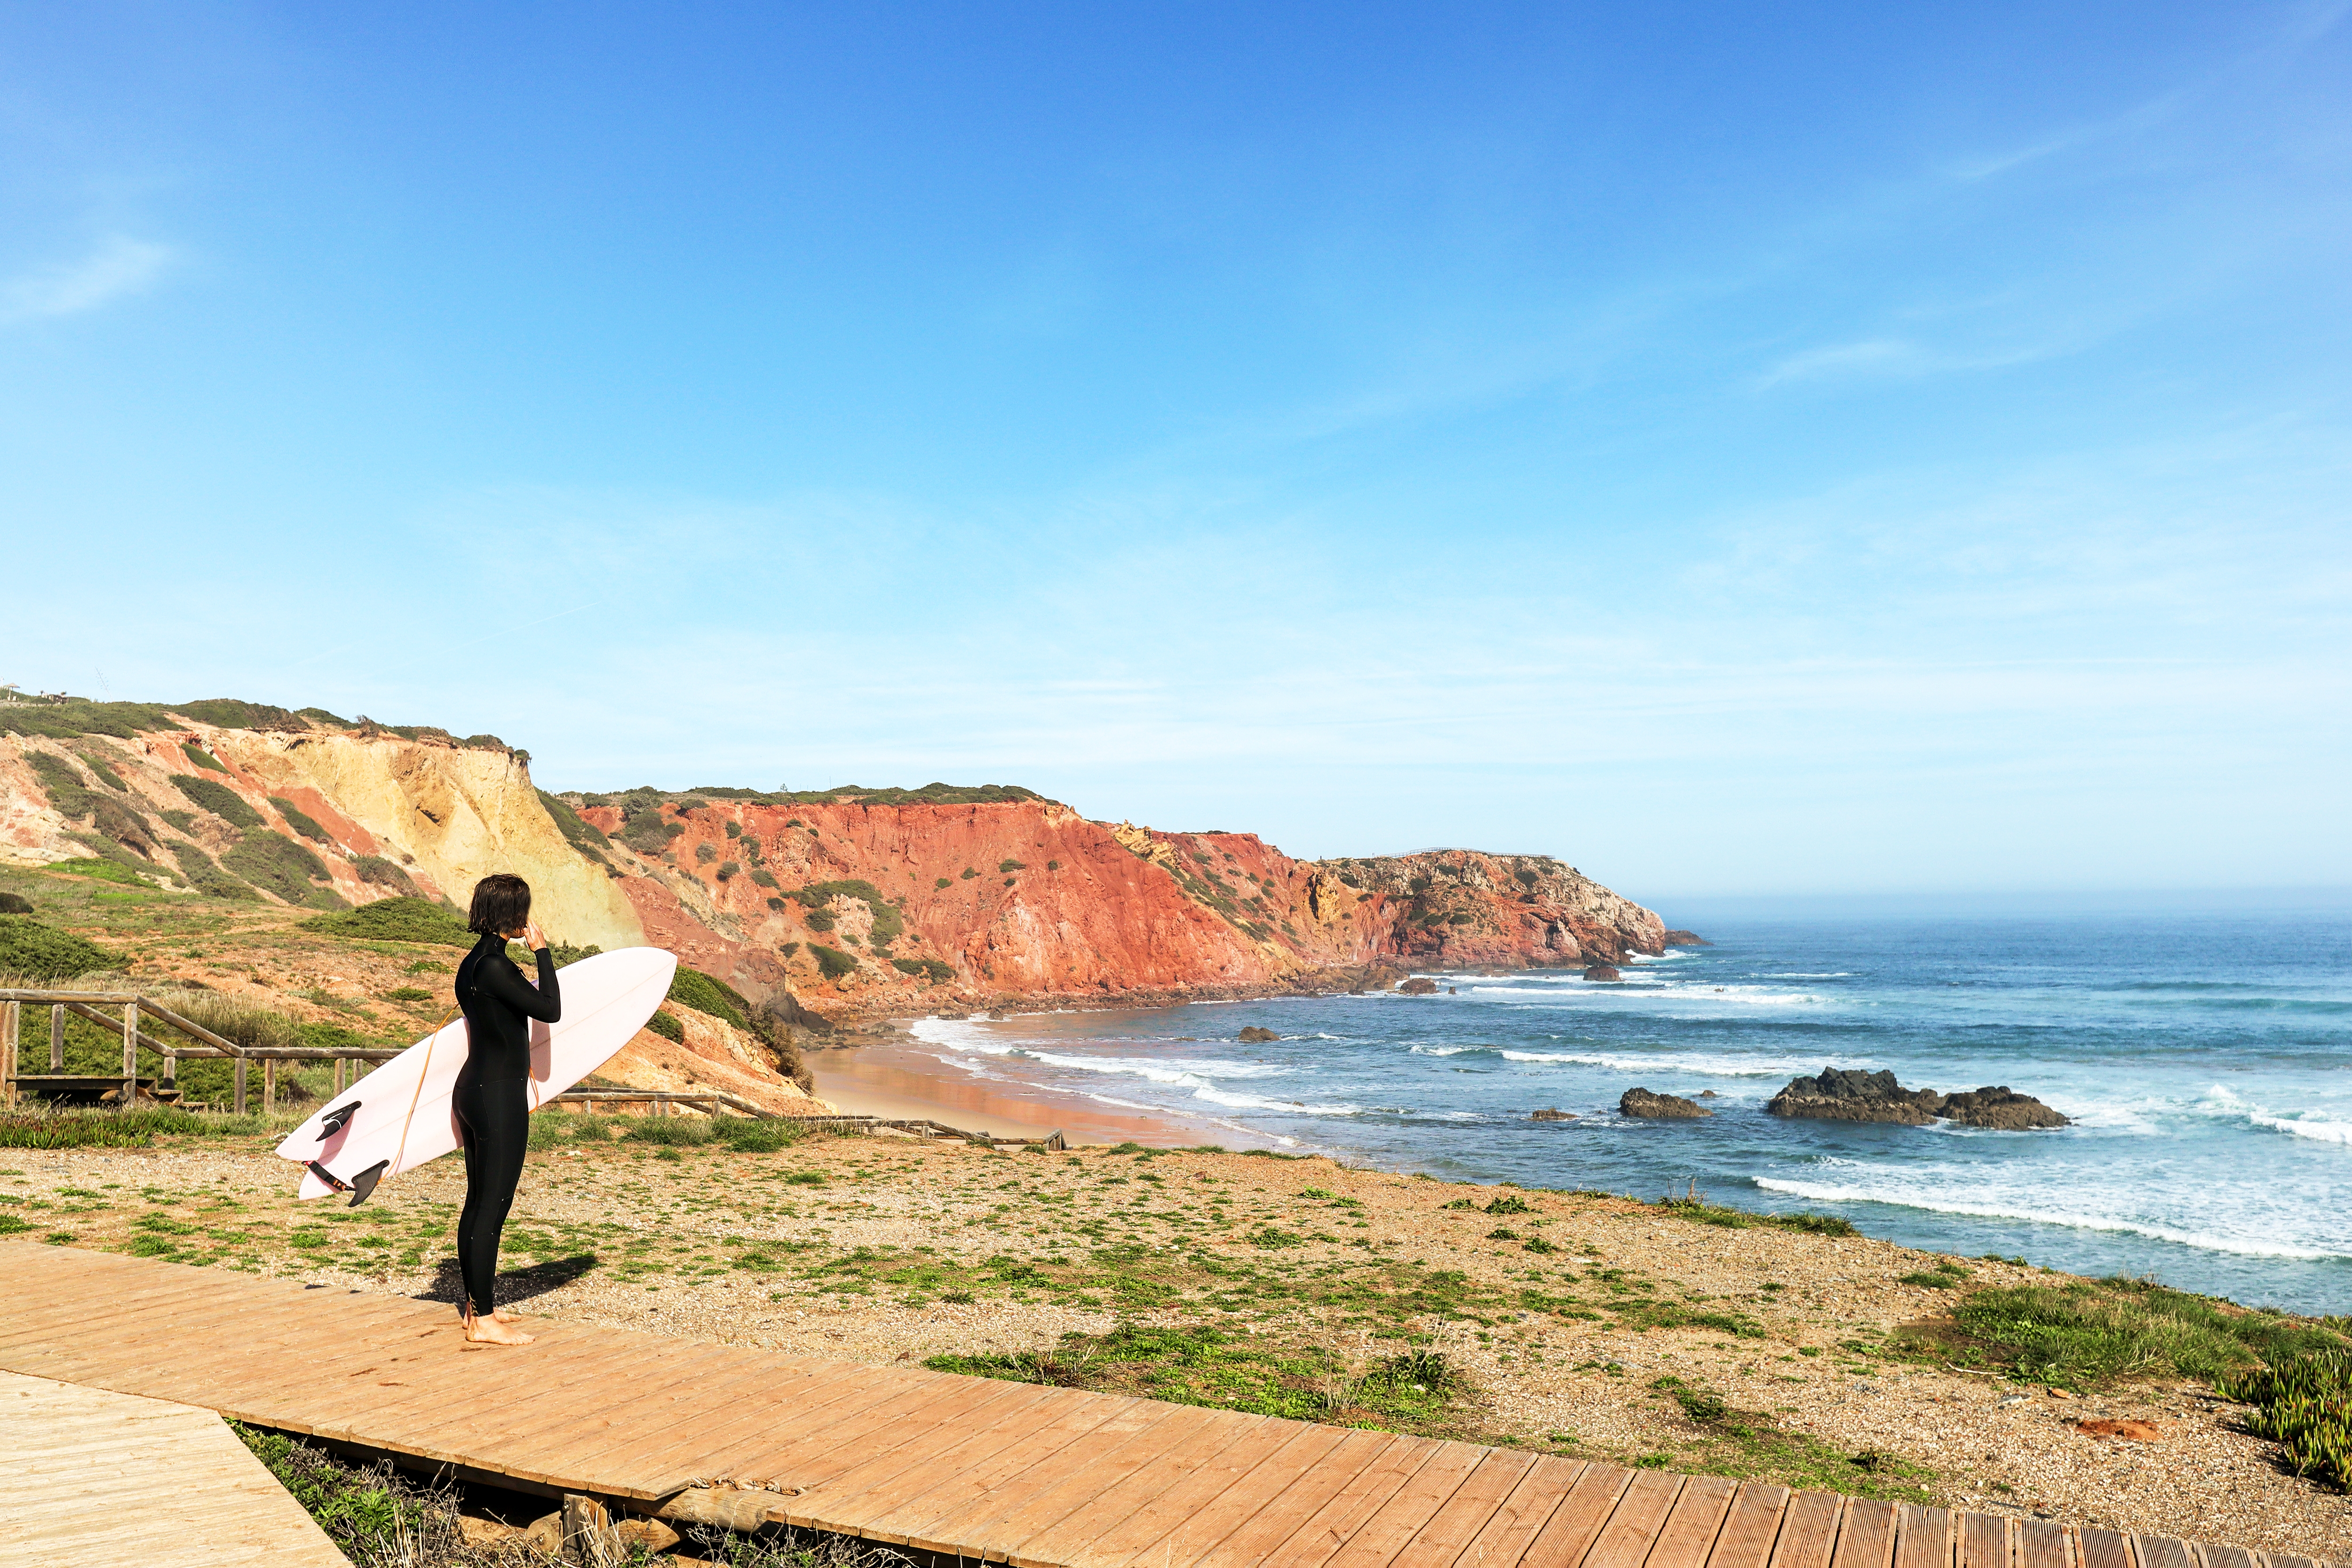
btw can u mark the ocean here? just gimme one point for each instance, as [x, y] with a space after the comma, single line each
[2206, 1059]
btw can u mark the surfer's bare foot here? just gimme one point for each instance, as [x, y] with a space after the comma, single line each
[490, 1331]
[503, 1316]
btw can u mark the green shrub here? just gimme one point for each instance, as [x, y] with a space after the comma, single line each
[248, 1023]
[377, 871]
[42, 952]
[300, 821]
[15, 904]
[692, 988]
[323, 717]
[185, 821]
[67, 791]
[968, 874]
[832, 961]
[201, 757]
[765, 878]
[102, 871]
[2304, 1403]
[396, 919]
[68, 1131]
[577, 831]
[2088, 1332]
[206, 878]
[277, 864]
[704, 854]
[667, 1027]
[818, 920]
[942, 882]
[1814, 1224]
[669, 1130]
[219, 799]
[729, 871]
[1012, 865]
[102, 771]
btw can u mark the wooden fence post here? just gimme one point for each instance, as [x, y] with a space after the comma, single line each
[58, 1038]
[8, 1018]
[130, 1058]
[269, 1086]
[240, 1085]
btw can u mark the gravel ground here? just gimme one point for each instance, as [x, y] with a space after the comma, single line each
[782, 1250]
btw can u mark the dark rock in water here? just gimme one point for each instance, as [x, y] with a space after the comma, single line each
[2000, 1107]
[1707, 1094]
[1417, 986]
[1843, 1094]
[1847, 1094]
[1686, 939]
[1254, 1035]
[1602, 972]
[1659, 1107]
[1553, 1114]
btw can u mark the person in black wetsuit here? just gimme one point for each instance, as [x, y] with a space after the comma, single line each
[493, 1098]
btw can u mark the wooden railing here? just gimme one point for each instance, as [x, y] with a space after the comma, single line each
[183, 1036]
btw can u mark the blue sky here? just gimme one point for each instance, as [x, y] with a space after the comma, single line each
[1806, 449]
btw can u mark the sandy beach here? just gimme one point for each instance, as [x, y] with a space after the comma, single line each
[897, 1076]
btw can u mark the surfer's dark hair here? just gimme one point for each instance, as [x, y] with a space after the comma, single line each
[501, 902]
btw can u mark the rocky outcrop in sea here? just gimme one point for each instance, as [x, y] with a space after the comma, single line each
[1848, 1094]
[1650, 1107]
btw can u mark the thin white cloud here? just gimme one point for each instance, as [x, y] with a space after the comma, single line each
[118, 266]
[1877, 355]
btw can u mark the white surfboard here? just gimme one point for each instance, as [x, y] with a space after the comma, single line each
[399, 1116]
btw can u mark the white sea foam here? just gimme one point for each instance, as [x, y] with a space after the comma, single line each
[1706, 1065]
[1823, 1192]
[1258, 1103]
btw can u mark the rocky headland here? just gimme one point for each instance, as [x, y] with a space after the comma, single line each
[1849, 1094]
[831, 906]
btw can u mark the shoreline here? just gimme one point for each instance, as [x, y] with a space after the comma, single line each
[897, 1078]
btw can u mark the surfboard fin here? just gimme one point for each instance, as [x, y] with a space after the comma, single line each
[364, 1183]
[335, 1120]
[334, 1182]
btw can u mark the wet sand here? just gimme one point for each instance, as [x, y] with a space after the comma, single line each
[907, 1081]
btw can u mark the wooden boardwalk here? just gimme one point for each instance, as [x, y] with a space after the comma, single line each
[993, 1471]
[98, 1480]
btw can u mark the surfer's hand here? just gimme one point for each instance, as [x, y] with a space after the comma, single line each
[532, 937]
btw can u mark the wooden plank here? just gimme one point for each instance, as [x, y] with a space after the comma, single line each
[1043, 1449]
[912, 1423]
[2161, 1551]
[2104, 1549]
[1321, 1505]
[1512, 1528]
[636, 1420]
[1026, 1503]
[1625, 1541]
[2227, 1557]
[1923, 1537]
[1867, 1534]
[1122, 1521]
[886, 1480]
[1809, 1530]
[2042, 1544]
[1382, 1536]
[1312, 1448]
[1043, 1542]
[1751, 1527]
[1474, 1504]
[1984, 1542]
[1580, 1518]
[1688, 1538]
[68, 1455]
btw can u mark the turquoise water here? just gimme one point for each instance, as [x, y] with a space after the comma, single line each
[2206, 1062]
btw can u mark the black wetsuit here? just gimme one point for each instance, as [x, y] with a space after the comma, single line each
[493, 1100]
